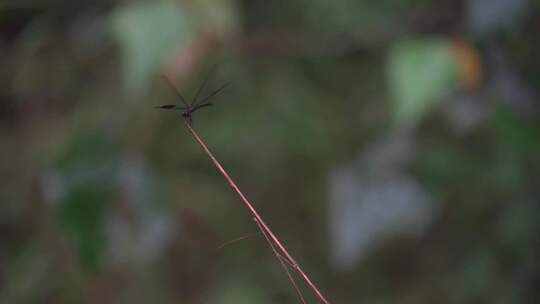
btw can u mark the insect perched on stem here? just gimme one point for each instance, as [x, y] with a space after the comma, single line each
[189, 108]
[282, 255]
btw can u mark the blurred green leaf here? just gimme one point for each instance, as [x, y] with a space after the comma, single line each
[148, 32]
[420, 72]
[86, 173]
[88, 151]
[82, 216]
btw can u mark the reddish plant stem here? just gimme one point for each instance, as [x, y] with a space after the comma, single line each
[264, 228]
[282, 263]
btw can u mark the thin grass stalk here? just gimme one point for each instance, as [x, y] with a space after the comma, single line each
[263, 226]
[280, 258]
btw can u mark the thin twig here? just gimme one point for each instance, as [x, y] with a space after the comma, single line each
[236, 240]
[283, 264]
[263, 227]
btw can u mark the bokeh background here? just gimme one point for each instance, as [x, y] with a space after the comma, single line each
[393, 145]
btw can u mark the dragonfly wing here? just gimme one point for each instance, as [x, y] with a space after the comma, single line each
[214, 93]
[170, 107]
[176, 91]
[201, 106]
[202, 85]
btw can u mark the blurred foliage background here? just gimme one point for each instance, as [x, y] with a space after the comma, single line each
[393, 145]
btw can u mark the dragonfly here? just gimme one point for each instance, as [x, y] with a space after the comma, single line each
[189, 108]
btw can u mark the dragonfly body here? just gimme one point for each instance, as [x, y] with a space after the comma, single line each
[186, 112]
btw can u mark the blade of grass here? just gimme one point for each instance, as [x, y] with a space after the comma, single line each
[236, 240]
[283, 265]
[274, 240]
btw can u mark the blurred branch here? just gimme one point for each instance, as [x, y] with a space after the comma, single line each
[302, 43]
